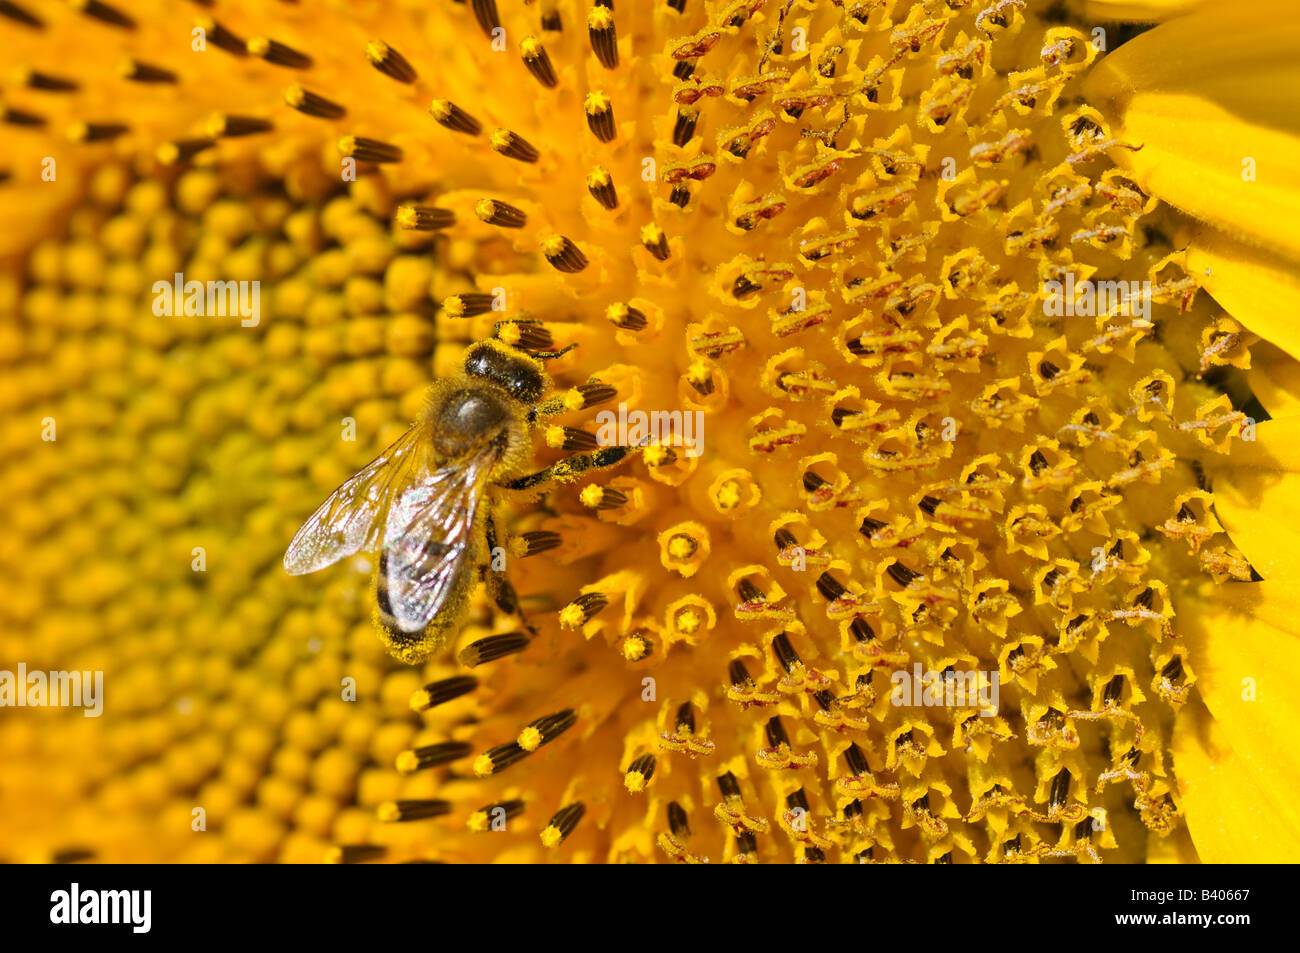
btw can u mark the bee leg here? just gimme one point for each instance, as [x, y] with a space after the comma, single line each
[503, 593]
[570, 468]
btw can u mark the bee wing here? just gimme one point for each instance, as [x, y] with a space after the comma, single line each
[429, 537]
[351, 520]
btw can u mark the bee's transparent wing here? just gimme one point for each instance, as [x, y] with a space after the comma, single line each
[352, 519]
[429, 538]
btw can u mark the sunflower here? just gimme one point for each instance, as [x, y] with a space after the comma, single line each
[967, 536]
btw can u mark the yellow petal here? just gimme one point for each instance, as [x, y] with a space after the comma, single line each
[1142, 10]
[1244, 650]
[1230, 819]
[1202, 94]
[1274, 376]
[1257, 497]
[1256, 287]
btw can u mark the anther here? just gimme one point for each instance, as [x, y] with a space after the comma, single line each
[431, 756]
[492, 817]
[604, 39]
[571, 439]
[601, 186]
[369, 150]
[775, 731]
[600, 116]
[104, 13]
[602, 497]
[493, 647]
[20, 117]
[582, 609]
[678, 823]
[739, 675]
[525, 335]
[538, 61]
[655, 241]
[278, 53]
[728, 786]
[390, 62]
[170, 153]
[95, 131]
[639, 773]
[538, 541]
[749, 592]
[684, 127]
[679, 196]
[467, 305]
[683, 69]
[495, 760]
[16, 13]
[563, 254]
[626, 317]
[397, 811]
[34, 79]
[355, 853]
[830, 587]
[546, 729]
[901, 574]
[784, 539]
[310, 104]
[485, 12]
[139, 72]
[220, 37]
[1059, 792]
[685, 719]
[562, 824]
[513, 146]
[424, 218]
[785, 653]
[861, 630]
[450, 116]
[442, 691]
[501, 214]
[222, 126]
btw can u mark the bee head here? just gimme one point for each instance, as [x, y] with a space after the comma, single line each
[518, 375]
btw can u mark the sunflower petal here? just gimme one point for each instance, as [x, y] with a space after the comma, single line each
[1143, 11]
[1256, 287]
[1245, 649]
[1274, 377]
[1210, 100]
[1231, 820]
[1257, 497]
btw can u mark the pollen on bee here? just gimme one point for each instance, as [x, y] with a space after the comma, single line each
[604, 38]
[424, 218]
[563, 254]
[390, 62]
[278, 53]
[538, 61]
[369, 150]
[513, 146]
[450, 116]
[600, 116]
[601, 186]
[467, 305]
[311, 104]
[501, 214]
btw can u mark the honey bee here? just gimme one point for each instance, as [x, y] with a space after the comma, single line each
[423, 503]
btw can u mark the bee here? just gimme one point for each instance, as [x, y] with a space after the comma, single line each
[424, 503]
